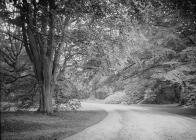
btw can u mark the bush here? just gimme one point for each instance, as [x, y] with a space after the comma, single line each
[72, 104]
[189, 100]
[65, 95]
[118, 98]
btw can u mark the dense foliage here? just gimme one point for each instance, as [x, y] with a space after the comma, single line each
[144, 49]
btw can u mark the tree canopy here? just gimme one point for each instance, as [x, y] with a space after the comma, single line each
[108, 45]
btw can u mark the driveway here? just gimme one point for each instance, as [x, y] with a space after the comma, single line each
[137, 123]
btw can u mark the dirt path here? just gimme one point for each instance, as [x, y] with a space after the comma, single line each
[137, 123]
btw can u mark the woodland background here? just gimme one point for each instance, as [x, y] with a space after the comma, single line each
[121, 51]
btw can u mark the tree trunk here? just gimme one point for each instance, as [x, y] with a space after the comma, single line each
[46, 87]
[41, 100]
[41, 49]
[182, 93]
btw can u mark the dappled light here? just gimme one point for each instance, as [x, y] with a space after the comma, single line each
[122, 69]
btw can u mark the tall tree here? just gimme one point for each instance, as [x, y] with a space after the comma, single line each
[37, 22]
[46, 27]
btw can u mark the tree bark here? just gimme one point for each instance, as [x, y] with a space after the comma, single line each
[45, 85]
[46, 88]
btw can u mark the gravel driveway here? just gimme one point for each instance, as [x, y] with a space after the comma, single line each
[137, 123]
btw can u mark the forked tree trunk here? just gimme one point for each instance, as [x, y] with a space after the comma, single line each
[41, 49]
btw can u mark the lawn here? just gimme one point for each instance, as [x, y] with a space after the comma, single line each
[36, 126]
[174, 109]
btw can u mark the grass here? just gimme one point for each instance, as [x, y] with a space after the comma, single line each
[35, 126]
[174, 109]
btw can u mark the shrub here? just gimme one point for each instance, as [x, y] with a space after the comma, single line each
[72, 104]
[65, 95]
[118, 98]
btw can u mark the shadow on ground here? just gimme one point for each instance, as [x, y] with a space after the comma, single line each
[35, 126]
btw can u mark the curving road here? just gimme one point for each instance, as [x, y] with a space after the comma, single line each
[137, 123]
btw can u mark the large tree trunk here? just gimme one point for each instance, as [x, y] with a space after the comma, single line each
[46, 91]
[41, 100]
[46, 99]
[43, 65]
[40, 46]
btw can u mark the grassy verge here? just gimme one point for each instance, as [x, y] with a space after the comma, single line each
[35, 126]
[174, 109]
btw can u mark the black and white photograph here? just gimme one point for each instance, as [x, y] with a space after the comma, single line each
[98, 69]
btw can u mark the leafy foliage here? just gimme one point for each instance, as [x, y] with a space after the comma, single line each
[156, 49]
[18, 84]
[104, 46]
